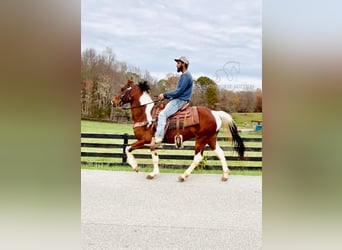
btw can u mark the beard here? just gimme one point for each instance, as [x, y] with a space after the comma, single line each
[179, 69]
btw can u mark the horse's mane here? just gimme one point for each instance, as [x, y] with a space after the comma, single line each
[143, 85]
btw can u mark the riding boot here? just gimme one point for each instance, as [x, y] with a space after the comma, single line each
[156, 142]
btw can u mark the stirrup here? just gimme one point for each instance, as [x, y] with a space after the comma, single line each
[179, 141]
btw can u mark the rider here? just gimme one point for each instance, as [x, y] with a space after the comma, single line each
[178, 98]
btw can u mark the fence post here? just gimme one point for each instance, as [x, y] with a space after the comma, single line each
[125, 144]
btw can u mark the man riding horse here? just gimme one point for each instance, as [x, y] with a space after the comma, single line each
[178, 98]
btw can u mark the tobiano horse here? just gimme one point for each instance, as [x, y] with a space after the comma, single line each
[205, 131]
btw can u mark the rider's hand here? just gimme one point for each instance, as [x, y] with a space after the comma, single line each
[161, 97]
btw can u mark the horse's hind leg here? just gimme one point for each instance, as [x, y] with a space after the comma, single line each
[197, 159]
[220, 154]
[199, 147]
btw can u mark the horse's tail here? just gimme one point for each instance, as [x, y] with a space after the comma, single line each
[230, 126]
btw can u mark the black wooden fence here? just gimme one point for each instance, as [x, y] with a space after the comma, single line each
[117, 151]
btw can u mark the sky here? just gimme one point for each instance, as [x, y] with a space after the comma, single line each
[221, 39]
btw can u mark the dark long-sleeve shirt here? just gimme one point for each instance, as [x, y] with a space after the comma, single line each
[184, 88]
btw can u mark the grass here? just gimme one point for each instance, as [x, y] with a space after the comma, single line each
[246, 119]
[105, 127]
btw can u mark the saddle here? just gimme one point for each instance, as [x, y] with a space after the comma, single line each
[185, 117]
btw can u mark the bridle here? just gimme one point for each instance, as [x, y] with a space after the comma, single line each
[125, 98]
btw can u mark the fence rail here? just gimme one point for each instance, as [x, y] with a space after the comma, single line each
[109, 151]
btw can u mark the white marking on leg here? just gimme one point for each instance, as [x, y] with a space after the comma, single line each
[155, 160]
[130, 158]
[220, 154]
[197, 159]
[145, 98]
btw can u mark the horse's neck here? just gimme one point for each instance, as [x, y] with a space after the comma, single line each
[144, 107]
[137, 111]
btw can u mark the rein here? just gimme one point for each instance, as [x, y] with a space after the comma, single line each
[140, 105]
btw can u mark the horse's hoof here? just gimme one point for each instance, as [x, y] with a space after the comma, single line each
[136, 169]
[181, 179]
[149, 177]
[223, 178]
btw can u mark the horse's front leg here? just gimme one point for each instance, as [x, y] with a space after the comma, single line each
[130, 157]
[155, 160]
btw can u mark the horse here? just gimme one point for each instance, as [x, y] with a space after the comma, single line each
[205, 132]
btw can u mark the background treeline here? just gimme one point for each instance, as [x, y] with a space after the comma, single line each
[102, 76]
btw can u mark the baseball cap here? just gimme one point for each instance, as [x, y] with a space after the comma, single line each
[183, 59]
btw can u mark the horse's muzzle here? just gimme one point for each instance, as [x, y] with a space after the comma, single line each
[115, 102]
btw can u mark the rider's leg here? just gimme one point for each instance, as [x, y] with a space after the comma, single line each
[172, 107]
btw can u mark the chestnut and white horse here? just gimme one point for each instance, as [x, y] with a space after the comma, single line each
[210, 122]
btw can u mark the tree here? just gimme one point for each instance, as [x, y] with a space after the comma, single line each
[101, 76]
[211, 97]
[162, 85]
[247, 101]
[258, 94]
[171, 82]
[229, 100]
[165, 85]
[206, 91]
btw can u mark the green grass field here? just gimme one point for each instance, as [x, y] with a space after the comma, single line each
[105, 127]
[246, 119]
[115, 128]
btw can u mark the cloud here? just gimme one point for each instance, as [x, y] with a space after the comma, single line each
[150, 34]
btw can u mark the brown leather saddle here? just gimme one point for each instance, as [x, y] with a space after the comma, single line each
[184, 117]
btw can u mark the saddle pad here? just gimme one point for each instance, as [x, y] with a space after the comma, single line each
[181, 119]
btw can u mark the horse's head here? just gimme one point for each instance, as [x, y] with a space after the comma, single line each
[130, 92]
[125, 95]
